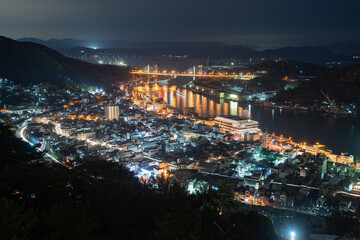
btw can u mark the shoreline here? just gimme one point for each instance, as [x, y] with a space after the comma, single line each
[214, 93]
[180, 111]
[300, 108]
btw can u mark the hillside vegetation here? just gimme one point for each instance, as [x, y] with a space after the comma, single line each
[270, 76]
[343, 85]
[25, 62]
[103, 200]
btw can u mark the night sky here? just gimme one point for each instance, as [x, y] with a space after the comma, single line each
[251, 22]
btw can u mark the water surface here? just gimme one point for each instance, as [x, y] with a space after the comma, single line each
[341, 134]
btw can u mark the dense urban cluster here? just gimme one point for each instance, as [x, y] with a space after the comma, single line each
[154, 140]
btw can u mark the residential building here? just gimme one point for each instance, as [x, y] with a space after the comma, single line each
[111, 112]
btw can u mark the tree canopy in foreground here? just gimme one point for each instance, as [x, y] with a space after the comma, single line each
[103, 200]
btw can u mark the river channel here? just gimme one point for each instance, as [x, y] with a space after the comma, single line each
[341, 134]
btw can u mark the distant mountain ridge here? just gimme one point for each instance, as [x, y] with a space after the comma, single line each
[61, 44]
[349, 48]
[317, 55]
[26, 62]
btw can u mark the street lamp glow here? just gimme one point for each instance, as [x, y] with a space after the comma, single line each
[292, 234]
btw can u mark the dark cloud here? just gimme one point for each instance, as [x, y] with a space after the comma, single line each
[254, 22]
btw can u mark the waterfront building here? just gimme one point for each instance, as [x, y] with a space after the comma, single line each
[276, 143]
[234, 125]
[111, 112]
[346, 159]
[314, 150]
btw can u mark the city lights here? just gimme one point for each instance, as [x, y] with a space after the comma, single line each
[180, 119]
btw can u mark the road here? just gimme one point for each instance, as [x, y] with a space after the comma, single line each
[22, 136]
[316, 188]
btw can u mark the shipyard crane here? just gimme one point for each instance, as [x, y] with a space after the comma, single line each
[331, 102]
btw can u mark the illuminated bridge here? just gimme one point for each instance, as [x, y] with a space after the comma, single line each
[191, 72]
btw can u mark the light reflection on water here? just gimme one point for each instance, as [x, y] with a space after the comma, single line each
[339, 134]
[180, 98]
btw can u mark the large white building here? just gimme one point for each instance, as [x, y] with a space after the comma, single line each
[237, 126]
[84, 135]
[111, 112]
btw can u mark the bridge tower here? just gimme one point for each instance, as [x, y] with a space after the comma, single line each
[201, 69]
[148, 70]
[191, 71]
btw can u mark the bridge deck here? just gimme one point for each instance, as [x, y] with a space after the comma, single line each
[242, 77]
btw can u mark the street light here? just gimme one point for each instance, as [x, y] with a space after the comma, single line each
[292, 234]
